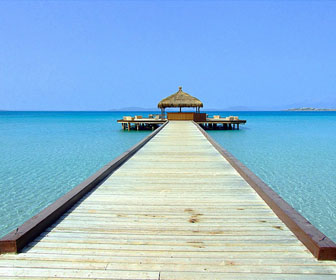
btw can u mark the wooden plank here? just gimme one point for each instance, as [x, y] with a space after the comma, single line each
[260, 276]
[167, 260]
[172, 254]
[171, 242]
[76, 273]
[228, 267]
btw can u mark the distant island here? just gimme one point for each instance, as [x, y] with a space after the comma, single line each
[135, 109]
[309, 109]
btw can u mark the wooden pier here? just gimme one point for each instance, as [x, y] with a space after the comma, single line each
[176, 209]
[223, 123]
[141, 124]
[207, 124]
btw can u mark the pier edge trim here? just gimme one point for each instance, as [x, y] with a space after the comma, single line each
[17, 239]
[322, 247]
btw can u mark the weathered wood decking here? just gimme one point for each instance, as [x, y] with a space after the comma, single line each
[176, 210]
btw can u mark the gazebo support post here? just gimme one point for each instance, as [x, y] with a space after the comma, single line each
[162, 113]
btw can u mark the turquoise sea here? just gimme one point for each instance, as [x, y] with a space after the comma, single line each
[45, 154]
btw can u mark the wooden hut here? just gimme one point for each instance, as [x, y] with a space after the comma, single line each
[182, 99]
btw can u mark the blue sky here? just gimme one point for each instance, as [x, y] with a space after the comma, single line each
[101, 55]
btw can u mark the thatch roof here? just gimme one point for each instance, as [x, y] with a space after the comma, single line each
[180, 99]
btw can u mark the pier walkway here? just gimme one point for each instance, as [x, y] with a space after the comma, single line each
[176, 210]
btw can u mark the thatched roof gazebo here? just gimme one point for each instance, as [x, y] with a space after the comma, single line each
[180, 99]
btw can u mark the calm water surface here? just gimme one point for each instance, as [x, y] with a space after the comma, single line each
[45, 154]
[295, 154]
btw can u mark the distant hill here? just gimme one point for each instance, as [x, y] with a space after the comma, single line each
[135, 109]
[239, 108]
[233, 108]
[310, 109]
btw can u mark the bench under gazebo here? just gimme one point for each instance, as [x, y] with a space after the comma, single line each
[181, 100]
